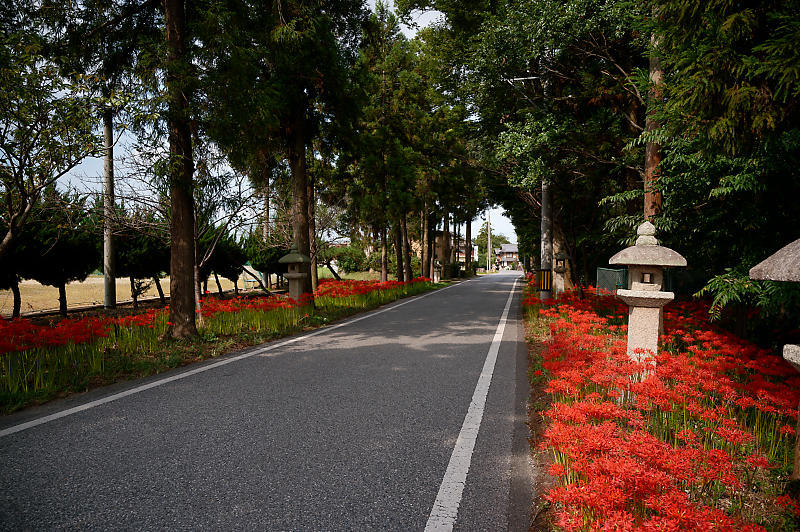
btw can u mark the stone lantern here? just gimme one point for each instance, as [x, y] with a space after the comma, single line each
[646, 262]
[437, 271]
[784, 265]
[559, 269]
[295, 262]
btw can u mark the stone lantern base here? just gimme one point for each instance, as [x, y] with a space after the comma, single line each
[645, 319]
[295, 284]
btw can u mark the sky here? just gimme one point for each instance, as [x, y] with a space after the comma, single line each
[89, 173]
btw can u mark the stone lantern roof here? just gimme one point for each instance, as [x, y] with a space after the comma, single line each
[783, 265]
[294, 257]
[647, 252]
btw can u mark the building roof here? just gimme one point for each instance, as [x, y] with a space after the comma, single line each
[507, 248]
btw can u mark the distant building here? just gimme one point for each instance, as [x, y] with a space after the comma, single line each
[507, 256]
[460, 253]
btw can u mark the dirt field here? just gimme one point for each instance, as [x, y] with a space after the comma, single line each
[37, 298]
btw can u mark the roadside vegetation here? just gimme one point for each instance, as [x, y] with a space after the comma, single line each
[699, 437]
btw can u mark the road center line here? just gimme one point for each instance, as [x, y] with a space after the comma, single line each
[445, 507]
[160, 382]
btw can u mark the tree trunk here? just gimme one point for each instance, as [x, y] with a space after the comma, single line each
[398, 251]
[795, 476]
[384, 256]
[406, 248]
[446, 245]
[652, 151]
[432, 244]
[457, 232]
[160, 290]
[489, 250]
[198, 291]
[266, 276]
[297, 163]
[219, 286]
[62, 299]
[134, 295]
[260, 283]
[425, 236]
[468, 247]
[332, 270]
[17, 298]
[312, 233]
[236, 287]
[109, 280]
[546, 260]
[181, 168]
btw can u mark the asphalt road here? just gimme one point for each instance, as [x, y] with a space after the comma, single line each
[349, 429]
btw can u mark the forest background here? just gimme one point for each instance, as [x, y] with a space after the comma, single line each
[264, 125]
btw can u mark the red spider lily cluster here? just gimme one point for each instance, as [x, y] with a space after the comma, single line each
[348, 288]
[41, 357]
[23, 335]
[212, 307]
[680, 441]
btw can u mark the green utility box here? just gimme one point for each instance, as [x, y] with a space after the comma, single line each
[612, 280]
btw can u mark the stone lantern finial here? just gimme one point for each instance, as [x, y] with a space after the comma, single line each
[646, 233]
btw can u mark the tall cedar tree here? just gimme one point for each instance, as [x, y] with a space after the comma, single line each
[181, 168]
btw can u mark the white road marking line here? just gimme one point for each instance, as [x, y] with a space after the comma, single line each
[445, 507]
[92, 404]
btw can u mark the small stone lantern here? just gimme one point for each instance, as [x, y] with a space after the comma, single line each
[559, 269]
[437, 271]
[295, 262]
[646, 262]
[784, 265]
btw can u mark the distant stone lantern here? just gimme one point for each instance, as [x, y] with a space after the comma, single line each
[784, 265]
[295, 262]
[559, 269]
[646, 262]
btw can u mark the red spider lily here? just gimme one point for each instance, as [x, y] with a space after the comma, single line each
[637, 445]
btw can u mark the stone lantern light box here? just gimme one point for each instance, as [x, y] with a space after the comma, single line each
[646, 261]
[295, 263]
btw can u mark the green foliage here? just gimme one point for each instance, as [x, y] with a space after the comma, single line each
[734, 287]
[60, 241]
[140, 254]
[350, 259]
[729, 128]
[262, 257]
[46, 127]
[228, 258]
[733, 70]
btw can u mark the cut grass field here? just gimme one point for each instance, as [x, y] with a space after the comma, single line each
[40, 298]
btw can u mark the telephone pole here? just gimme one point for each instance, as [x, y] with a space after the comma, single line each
[489, 240]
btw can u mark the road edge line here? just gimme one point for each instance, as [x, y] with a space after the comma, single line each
[445, 508]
